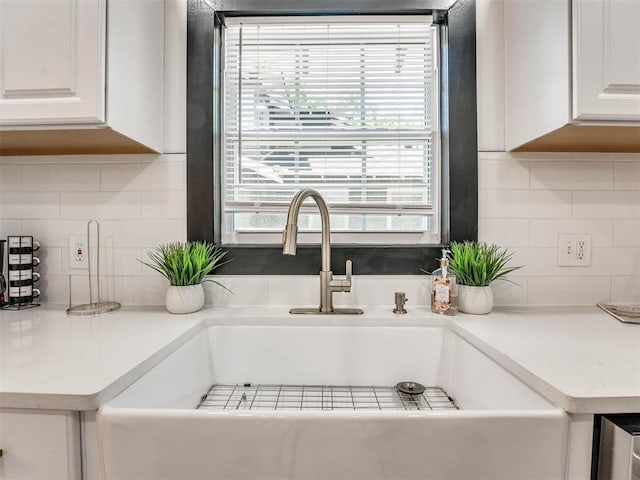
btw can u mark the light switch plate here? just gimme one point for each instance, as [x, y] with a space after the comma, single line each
[574, 250]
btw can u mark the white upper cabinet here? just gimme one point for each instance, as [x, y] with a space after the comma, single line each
[572, 75]
[52, 62]
[81, 76]
[606, 36]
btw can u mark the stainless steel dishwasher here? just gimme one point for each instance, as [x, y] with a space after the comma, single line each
[619, 447]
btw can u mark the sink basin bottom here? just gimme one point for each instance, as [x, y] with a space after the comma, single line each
[324, 398]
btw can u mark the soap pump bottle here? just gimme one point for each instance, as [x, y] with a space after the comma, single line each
[444, 290]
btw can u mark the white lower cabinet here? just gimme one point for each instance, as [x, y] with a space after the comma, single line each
[40, 445]
[91, 454]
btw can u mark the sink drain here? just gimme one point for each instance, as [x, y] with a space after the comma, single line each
[410, 388]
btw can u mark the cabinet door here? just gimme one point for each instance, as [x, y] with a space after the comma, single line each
[52, 61]
[39, 444]
[606, 63]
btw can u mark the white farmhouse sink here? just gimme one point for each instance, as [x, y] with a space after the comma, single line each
[502, 430]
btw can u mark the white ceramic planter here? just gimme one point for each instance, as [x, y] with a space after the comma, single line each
[476, 300]
[187, 299]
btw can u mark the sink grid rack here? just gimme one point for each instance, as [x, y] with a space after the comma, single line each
[322, 397]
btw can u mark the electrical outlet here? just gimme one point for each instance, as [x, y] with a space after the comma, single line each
[78, 255]
[574, 250]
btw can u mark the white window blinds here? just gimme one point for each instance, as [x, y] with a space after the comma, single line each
[345, 105]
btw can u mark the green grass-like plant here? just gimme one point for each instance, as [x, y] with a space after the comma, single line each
[186, 263]
[477, 264]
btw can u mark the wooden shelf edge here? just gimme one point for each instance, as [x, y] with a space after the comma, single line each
[68, 142]
[586, 138]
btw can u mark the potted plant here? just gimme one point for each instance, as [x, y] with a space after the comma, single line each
[477, 265]
[185, 265]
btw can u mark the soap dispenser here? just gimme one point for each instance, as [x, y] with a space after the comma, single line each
[444, 290]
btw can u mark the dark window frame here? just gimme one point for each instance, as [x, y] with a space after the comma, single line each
[459, 136]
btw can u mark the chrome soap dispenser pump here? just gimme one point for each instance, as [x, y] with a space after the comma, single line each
[444, 290]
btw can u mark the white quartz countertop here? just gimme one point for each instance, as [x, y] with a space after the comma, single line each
[54, 361]
[579, 358]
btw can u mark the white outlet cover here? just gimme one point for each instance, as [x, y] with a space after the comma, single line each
[574, 250]
[74, 261]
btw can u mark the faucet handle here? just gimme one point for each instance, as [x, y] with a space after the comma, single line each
[346, 283]
[343, 284]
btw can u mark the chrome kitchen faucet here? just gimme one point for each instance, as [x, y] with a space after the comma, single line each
[328, 285]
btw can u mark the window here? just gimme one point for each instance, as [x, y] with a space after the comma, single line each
[345, 105]
[388, 243]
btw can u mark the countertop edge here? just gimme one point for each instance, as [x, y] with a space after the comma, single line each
[93, 401]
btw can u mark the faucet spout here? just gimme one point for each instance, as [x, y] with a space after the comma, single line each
[328, 285]
[290, 234]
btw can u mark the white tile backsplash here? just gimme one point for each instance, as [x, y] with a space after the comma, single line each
[9, 178]
[9, 227]
[100, 205]
[626, 232]
[144, 233]
[22, 205]
[558, 175]
[505, 231]
[625, 289]
[113, 261]
[55, 289]
[163, 204]
[239, 291]
[614, 261]
[544, 233]
[304, 291]
[144, 176]
[525, 201]
[538, 261]
[51, 261]
[503, 174]
[535, 261]
[293, 290]
[60, 178]
[52, 232]
[379, 290]
[510, 292]
[134, 290]
[607, 204]
[568, 290]
[627, 175]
